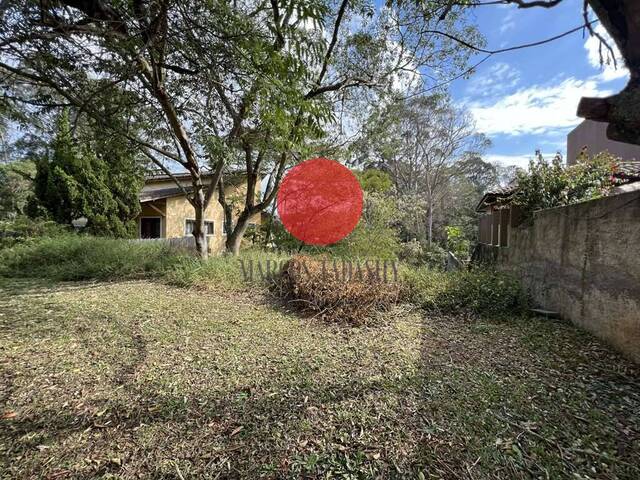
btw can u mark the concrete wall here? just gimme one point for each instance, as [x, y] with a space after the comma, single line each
[593, 135]
[583, 261]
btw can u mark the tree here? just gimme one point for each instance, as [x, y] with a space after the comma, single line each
[96, 179]
[16, 186]
[551, 184]
[218, 84]
[419, 141]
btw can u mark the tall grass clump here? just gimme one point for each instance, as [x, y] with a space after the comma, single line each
[480, 291]
[74, 257]
[249, 268]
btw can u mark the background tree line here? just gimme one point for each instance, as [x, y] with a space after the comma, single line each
[216, 86]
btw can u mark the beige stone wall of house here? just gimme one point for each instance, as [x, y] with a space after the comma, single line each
[583, 261]
[177, 210]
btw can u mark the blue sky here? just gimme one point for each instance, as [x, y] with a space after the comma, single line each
[527, 99]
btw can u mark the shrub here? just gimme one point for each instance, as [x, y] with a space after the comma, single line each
[24, 230]
[457, 243]
[484, 292]
[323, 287]
[435, 256]
[548, 185]
[75, 257]
[412, 253]
[223, 270]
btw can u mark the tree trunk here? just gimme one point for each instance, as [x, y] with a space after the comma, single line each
[267, 234]
[621, 19]
[234, 239]
[199, 233]
[430, 223]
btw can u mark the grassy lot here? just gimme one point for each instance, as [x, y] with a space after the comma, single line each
[143, 380]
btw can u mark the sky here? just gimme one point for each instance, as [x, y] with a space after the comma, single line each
[527, 99]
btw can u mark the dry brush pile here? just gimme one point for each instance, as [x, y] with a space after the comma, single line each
[339, 290]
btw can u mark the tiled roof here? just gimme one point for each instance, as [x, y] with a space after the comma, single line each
[628, 170]
[152, 195]
[157, 176]
[492, 196]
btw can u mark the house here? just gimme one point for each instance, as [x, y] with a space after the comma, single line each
[166, 212]
[593, 136]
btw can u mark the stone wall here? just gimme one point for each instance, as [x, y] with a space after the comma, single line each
[583, 261]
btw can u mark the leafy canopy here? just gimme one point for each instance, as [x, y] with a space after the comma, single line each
[97, 178]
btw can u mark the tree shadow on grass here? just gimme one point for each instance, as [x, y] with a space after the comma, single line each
[526, 398]
[292, 430]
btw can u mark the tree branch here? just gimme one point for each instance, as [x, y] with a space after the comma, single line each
[332, 44]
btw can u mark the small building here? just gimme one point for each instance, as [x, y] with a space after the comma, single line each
[497, 217]
[166, 212]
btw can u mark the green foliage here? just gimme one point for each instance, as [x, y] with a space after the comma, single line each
[374, 181]
[374, 236]
[457, 243]
[368, 241]
[417, 254]
[223, 270]
[282, 239]
[76, 257]
[548, 185]
[24, 230]
[479, 291]
[98, 179]
[412, 252]
[16, 186]
[434, 256]
[65, 256]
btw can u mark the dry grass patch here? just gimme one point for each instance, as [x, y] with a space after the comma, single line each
[143, 380]
[337, 290]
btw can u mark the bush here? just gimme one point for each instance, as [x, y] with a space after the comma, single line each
[412, 253]
[435, 256]
[326, 289]
[223, 270]
[548, 185]
[75, 257]
[24, 230]
[484, 292]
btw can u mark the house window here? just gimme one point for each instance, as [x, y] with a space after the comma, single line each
[150, 227]
[190, 225]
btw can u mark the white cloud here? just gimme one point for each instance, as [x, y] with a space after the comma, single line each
[508, 22]
[608, 70]
[519, 160]
[535, 110]
[497, 79]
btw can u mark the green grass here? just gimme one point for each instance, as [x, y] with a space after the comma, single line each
[74, 257]
[479, 291]
[141, 379]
